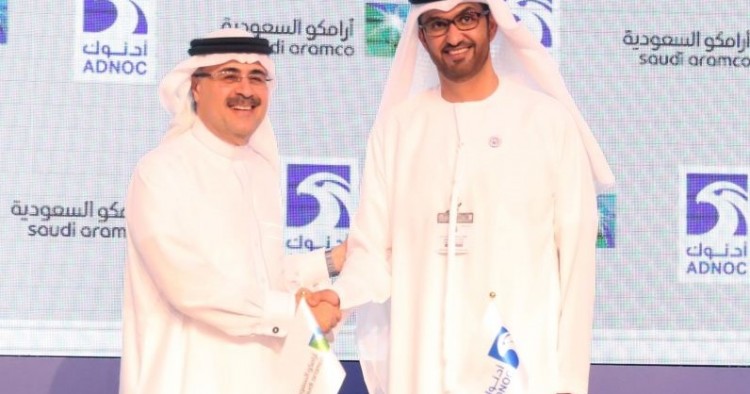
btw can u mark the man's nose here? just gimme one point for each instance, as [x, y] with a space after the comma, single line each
[244, 86]
[453, 36]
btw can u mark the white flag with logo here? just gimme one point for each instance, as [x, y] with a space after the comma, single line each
[496, 366]
[307, 364]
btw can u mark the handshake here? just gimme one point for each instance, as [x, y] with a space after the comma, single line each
[324, 305]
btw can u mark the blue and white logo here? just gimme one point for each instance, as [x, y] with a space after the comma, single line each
[541, 18]
[717, 204]
[318, 195]
[101, 15]
[504, 349]
[500, 373]
[113, 41]
[3, 21]
[714, 212]
[320, 198]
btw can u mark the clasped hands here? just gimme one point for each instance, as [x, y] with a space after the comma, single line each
[324, 305]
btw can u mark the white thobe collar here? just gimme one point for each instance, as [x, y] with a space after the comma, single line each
[499, 91]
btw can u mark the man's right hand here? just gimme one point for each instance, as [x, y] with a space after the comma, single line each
[325, 307]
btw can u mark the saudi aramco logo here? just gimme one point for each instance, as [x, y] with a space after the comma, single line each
[605, 235]
[384, 23]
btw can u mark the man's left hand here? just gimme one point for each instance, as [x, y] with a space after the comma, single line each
[325, 307]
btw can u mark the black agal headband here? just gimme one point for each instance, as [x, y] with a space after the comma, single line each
[209, 46]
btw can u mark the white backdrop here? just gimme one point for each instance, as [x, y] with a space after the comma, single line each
[664, 86]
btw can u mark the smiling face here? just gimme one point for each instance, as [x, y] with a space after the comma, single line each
[231, 99]
[459, 55]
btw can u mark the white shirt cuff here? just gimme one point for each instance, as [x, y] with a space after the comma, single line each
[279, 305]
[309, 268]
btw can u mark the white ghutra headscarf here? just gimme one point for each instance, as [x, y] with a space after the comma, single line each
[516, 55]
[176, 98]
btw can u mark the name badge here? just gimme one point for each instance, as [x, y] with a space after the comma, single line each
[464, 228]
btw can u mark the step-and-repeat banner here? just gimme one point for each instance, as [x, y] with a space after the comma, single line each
[664, 86]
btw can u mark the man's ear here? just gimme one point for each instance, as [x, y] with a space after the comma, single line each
[194, 89]
[492, 27]
[422, 39]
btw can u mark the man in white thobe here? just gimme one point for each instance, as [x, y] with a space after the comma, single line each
[209, 294]
[477, 218]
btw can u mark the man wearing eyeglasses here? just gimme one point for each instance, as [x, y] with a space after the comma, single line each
[209, 295]
[472, 251]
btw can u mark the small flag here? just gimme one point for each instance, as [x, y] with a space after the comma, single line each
[497, 367]
[307, 364]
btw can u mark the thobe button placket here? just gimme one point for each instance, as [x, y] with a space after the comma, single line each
[244, 174]
[275, 330]
[492, 294]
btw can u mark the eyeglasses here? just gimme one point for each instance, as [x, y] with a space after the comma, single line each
[468, 20]
[230, 76]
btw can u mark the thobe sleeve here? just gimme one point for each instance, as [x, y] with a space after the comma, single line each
[188, 281]
[307, 270]
[575, 235]
[366, 275]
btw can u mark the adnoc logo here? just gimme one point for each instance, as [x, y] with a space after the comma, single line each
[717, 204]
[3, 21]
[714, 211]
[504, 349]
[384, 23]
[100, 15]
[319, 202]
[113, 42]
[541, 18]
[318, 195]
[538, 16]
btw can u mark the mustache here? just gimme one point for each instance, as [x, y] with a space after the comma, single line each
[244, 101]
[462, 44]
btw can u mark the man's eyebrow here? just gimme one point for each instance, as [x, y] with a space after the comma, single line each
[230, 68]
[255, 71]
[427, 17]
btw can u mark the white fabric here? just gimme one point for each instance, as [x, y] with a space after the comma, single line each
[532, 244]
[206, 301]
[208, 292]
